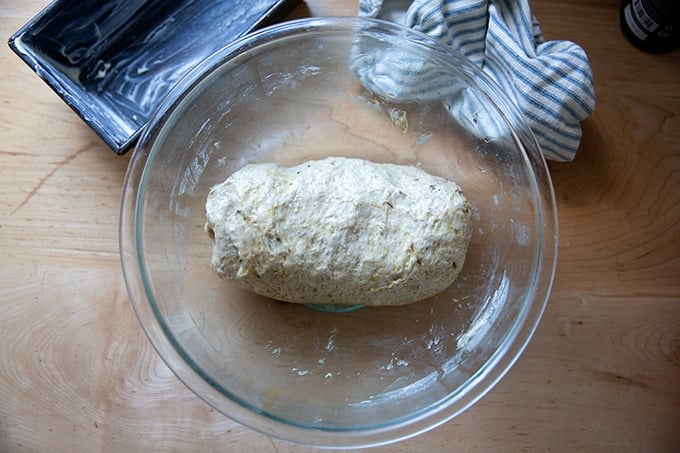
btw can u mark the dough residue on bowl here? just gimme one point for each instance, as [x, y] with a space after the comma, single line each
[339, 231]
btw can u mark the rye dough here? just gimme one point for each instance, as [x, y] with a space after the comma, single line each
[338, 231]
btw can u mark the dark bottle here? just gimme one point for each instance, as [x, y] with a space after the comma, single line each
[652, 26]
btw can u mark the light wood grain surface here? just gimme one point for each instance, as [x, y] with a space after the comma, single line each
[601, 374]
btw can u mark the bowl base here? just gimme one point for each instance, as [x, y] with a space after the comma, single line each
[334, 308]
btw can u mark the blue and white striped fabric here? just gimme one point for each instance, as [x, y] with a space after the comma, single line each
[551, 82]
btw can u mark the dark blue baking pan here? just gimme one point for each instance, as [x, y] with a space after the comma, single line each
[113, 61]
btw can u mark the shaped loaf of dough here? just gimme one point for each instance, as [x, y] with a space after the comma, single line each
[338, 231]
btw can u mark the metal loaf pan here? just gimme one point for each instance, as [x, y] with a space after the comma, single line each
[113, 61]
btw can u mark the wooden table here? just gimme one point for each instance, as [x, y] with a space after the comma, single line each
[601, 374]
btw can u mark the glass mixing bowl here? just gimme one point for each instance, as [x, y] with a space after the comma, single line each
[352, 87]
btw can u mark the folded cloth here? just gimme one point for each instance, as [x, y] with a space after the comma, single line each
[551, 82]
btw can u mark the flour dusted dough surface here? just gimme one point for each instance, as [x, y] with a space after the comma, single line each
[338, 231]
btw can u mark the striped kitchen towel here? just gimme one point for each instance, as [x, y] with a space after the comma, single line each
[551, 82]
